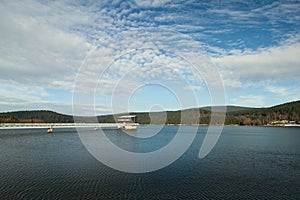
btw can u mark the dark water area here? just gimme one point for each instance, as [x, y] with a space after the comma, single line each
[246, 163]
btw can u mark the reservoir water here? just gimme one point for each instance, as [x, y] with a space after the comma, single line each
[246, 163]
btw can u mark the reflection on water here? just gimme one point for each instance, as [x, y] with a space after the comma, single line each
[247, 162]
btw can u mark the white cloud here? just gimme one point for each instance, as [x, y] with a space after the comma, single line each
[36, 43]
[253, 100]
[284, 93]
[42, 45]
[13, 92]
[275, 12]
[281, 91]
[151, 3]
[285, 11]
[259, 67]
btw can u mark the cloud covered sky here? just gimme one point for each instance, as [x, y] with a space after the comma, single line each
[116, 47]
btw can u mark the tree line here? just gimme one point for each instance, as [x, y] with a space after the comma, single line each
[284, 113]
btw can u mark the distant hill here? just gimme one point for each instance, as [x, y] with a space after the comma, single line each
[228, 108]
[279, 114]
[38, 116]
[284, 113]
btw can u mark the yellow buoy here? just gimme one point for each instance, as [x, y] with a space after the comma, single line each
[49, 130]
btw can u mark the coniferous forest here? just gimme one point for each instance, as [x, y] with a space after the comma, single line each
[276, 115]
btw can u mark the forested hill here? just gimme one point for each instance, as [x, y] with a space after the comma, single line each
[275, 115]
[38, 116]
[280, 114]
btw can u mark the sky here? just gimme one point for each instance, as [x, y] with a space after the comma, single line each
[103, 57]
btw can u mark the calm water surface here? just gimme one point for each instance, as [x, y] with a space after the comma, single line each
[246, 163]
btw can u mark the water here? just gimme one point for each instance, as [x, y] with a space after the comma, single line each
[247, 162]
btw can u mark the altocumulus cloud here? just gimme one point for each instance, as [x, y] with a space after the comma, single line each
[254, 45]
[273, 64]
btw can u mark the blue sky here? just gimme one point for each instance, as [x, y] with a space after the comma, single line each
[141, 55]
